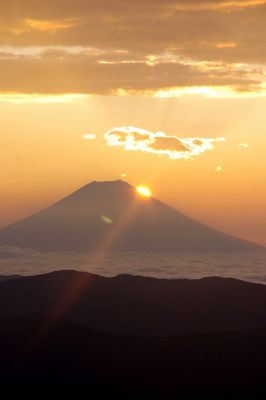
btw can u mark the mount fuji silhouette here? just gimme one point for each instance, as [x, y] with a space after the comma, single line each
[111, 216]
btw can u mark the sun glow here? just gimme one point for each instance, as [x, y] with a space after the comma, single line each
[144, 191]
[17, 98]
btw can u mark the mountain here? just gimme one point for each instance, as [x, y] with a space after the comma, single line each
[133, 305]
[111, 216]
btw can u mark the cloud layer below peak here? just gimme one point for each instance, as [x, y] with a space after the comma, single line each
[19, 261]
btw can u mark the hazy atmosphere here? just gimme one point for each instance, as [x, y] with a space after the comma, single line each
[86, 67]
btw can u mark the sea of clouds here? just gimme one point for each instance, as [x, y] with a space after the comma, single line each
[249, 267]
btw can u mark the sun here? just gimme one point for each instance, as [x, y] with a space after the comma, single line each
[144, 191]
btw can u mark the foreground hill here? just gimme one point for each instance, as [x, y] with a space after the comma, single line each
[74, 357]
[132, 335]
[137, 305]
[111, 216]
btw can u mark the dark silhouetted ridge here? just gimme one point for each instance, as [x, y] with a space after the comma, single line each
[138, 305]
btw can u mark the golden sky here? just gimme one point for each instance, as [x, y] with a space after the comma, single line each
[171, 94]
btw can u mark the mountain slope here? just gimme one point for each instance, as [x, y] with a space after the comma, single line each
[111, 216]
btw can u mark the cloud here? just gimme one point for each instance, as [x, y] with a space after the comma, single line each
[89, 136]
[28, 25]
[244, 145]
[184, 26]
[95, 71]
[136, 139]
[123, 50]
[14, 260]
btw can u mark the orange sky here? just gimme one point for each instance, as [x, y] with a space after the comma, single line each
[44, 156]
[196, 69]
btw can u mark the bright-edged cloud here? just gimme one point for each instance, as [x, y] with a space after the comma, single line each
[244, 145]
[136, 139]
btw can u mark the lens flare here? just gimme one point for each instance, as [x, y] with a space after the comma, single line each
[144, 191]
[106, 220]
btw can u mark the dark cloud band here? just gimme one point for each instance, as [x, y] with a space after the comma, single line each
[140, 46]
